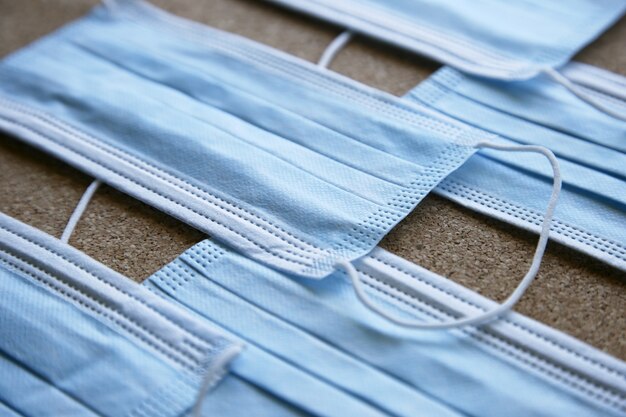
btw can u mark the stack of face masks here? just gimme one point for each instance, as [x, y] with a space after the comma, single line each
[293, 170]
[81, 340]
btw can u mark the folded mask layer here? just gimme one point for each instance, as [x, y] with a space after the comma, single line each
[291, 164]
[77, 339]
[591, 146]
[319, 329]
[490, 38]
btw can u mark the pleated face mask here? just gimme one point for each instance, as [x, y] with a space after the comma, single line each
[591, 215]
[290, 164]
[77, 339]
[312, 345]
[490, 38]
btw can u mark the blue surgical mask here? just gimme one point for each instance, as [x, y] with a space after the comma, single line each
[290, 164]
[77, 339]
[499, 39]
[591, 215]
[318, 333]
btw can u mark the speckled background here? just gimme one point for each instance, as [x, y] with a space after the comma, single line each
[573, 292]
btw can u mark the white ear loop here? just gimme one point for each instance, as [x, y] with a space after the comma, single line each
[333, 49]
[212, 374]
[79, 210]
[581, 94]
[508, 304]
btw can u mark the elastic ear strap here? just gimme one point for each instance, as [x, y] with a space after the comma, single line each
[508, 304]
[581, 94]
[333, 48]
[212, 375]
[79, 210]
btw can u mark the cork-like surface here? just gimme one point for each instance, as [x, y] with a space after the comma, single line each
[573, 292]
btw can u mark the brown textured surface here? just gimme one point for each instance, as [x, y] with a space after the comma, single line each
[573, 292]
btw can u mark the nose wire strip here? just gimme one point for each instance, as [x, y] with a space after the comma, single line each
[517, 293]
[79, 210]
